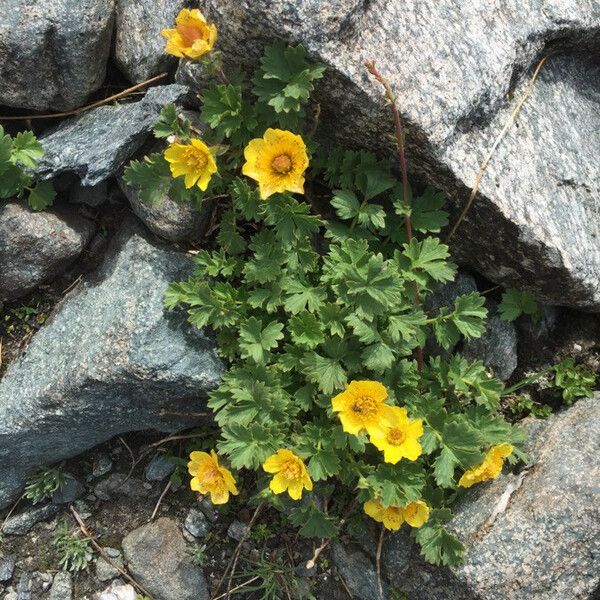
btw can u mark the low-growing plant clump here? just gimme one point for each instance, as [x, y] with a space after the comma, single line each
[327, 397]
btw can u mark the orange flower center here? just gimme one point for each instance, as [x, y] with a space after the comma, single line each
[282, 164]
[291, 470]
[190, 34]
[395, 436]
[212, 475]
[195, 160]
[365, 406]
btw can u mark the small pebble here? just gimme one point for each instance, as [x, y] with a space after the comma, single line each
[7, 567]
[159, 468]
[238, 531]
[102, 465]
[196, 523]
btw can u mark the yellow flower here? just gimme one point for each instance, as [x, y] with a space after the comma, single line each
[208, 477]
[194, 160]
[192, 37]
[490, 468]
[277, 161]
[392, 517]
[399, 438]
[362, 406]
[290, 474]
[416, 513]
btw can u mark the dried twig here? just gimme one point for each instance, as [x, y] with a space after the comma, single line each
[88, 534]
[496, 143]
[234, 558]
[167, 488]
[378, 562]
[389, 94]
[82, 109]
[236, 588]
[11, 511]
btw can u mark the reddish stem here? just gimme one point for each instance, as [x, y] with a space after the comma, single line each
[370, 65]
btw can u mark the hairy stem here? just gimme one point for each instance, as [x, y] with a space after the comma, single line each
[389, 94]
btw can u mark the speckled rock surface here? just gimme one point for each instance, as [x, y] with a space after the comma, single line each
[457, 69]
[109, 361]
[116, 131]
[158, 558]
[35, 247]
[358, 572]
[139, 47]
[545, 546]
[53, 53]
[173, 221]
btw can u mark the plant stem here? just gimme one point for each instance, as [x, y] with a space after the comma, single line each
[370, 65]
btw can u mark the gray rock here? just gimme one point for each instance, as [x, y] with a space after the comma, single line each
[53, 53]
[535, 222]
[70, 491]
[21, 523]
[159, 468]
[173, 221]
[24, 587]
[7, 567]
[62, 587]
[158, 558]
[104, 570]
[196, 523]
[118, 591]
[544, 546]
[238, 531]
[93, 196]
[193, 75]
[117, 132]
[37, 246]
[209, 509]
[497, 347]
[102, 464]
[139, 47]
[118, 485]
[109, 361]
[357, 571]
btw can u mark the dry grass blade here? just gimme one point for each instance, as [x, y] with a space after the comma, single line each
[496, 143]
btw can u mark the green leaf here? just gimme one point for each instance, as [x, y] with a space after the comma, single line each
[291, 219]
[265, 265]
[225, 110]
[12, 181]
[378, 357]
[515, 303]
[6, 145]
[461, 445]
[248, 446]
[438, 546]
[426, 215]
[151, 176]
[26, 149]
[301, 296]
[256, 341]
[312, 522]
[428, 257]
[246, 199]
[41, 195]
[346, 204]
[323, 464]
[396, 485]
[327, 372]
[306, 330]
[169, 124]
[285, 78]
[229, 237]
[469, 315]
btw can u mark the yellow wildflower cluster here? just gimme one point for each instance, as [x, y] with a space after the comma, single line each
[277, 161]
[490, 468]
[209, 477]
[361, 407]
[192, 37]
[415, 514]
